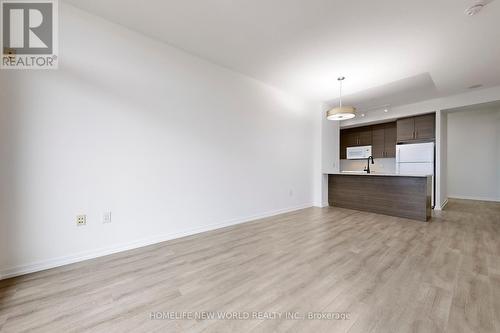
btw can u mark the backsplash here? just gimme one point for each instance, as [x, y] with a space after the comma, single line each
[385, 165]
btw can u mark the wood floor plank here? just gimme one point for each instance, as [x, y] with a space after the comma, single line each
[495, 297]
[471, 309]
[494, 264]
[388, 274]
[428, 313]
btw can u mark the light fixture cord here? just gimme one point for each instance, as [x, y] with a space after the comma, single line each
[341, 93]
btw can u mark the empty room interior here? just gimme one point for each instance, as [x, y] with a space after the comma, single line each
[250, 166]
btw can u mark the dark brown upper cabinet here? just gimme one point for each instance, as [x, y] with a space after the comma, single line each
[364, 136]
[390, 140]
[360, 136]
[419, 128]
[381, 137]
[405, 129]
[384, 140]
[343, 144]
[378, 141]
[425, 127]
[353, 137]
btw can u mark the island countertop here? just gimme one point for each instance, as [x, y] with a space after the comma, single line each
[361, 173]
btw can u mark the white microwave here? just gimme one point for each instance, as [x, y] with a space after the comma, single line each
[358, 153]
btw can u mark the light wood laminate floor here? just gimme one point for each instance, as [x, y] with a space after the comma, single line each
[389, 274]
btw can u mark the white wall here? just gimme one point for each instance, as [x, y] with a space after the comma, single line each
[330, 152]
[167, 142]
[474, 154]
[5, 186]
[441, 159]
[318, 159]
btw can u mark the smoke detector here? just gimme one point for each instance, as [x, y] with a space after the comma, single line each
[476, 7]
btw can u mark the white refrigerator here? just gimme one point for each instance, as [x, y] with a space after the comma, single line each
[416, 159]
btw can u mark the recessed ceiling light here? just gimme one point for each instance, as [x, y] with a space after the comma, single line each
[386, 110]
[362, 115]
[476, 86]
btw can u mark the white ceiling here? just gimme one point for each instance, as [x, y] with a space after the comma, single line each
[391, 51]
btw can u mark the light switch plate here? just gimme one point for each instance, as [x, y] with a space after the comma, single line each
[106, 217]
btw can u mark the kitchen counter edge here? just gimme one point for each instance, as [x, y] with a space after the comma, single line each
[378, 174]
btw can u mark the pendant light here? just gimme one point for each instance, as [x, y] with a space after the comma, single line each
[341, 112]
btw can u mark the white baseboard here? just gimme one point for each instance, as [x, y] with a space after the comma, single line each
[464, 197]
[321, 204]
[442, 205]
[61, 261]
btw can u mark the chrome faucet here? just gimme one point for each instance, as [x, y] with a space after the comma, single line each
[367, 169]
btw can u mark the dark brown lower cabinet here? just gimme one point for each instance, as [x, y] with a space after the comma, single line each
[402, 196]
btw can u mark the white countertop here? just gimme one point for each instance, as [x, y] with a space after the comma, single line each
[373, 173]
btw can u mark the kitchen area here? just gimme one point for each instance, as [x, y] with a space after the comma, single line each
[387, 168]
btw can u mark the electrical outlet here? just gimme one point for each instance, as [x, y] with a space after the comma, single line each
[106, 217]
[81, 220]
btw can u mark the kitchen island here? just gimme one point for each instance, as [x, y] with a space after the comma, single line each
[399, 195]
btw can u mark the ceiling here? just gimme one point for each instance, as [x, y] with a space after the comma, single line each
[390, 51]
